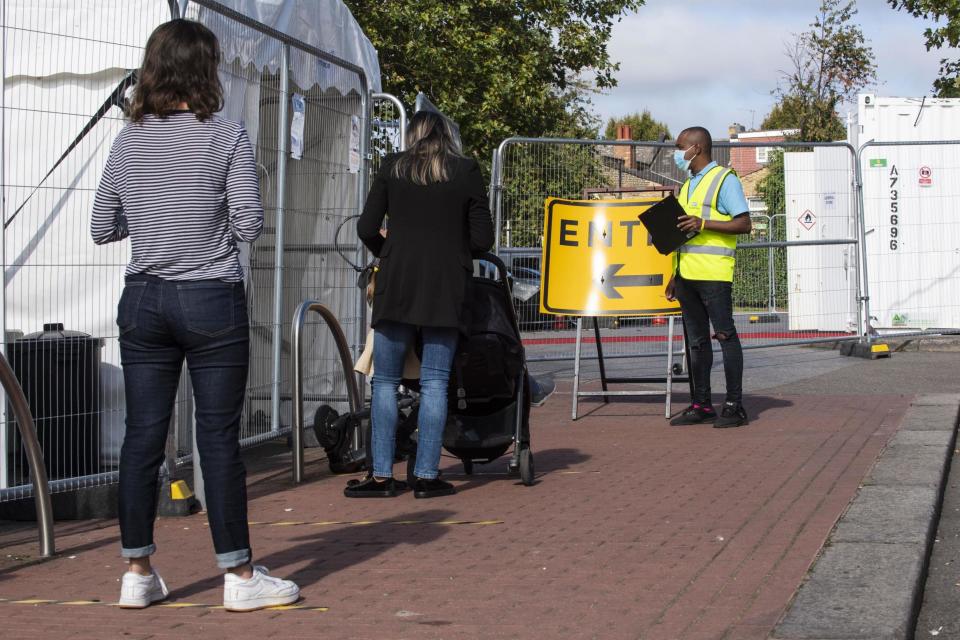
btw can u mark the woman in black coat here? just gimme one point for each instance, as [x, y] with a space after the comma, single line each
[436, 203]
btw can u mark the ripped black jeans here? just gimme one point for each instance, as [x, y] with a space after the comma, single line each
[706, 302]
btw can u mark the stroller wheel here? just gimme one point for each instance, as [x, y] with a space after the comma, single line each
[467, 466]
[526, 467]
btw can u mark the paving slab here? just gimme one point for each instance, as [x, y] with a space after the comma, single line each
[910, 464]
[861, 597]
[885, 514]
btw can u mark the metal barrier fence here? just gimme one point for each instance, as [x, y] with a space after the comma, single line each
[306, 201]
[54, 275]
[62, 77]
[911, 231]
[798, 274]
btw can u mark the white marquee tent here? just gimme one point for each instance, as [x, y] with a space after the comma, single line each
[63, 59]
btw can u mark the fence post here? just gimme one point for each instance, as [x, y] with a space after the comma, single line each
[360, 324]
[496, 193]
[863, 293]
[283, 133]
[4, 444]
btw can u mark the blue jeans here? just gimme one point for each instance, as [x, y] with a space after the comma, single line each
[390, 344]
[162, 323]
[706, 302]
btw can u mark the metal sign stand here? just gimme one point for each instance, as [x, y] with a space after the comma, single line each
[674, 373]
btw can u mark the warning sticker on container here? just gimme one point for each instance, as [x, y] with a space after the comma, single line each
[926, 177]
[807, 219]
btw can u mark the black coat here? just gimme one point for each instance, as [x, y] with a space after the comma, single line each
[433, 232]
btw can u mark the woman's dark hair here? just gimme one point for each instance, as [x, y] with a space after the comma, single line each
[431, 143]
[179, 65]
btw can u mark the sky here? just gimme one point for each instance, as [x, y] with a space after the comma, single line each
[664, 68]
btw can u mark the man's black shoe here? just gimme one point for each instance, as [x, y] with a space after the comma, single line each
[373, 488]
[695, 414]
[432, 488]
[732, 415]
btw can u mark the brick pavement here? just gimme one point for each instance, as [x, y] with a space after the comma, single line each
[634, 530]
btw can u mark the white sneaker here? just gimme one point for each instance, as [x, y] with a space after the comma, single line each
[260, 591]
[137, 591]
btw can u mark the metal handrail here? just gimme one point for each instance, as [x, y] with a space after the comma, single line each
[343, 350]
[387, 97]
[38, 473]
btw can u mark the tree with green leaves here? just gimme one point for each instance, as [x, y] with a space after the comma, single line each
[523, 67]
[829, 64]
[944, 34]
[642, 126]
[789, 112]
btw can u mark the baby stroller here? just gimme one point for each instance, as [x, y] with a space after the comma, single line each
[489, 392]
[489, 397]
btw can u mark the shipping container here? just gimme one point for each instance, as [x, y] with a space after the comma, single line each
[912, 219]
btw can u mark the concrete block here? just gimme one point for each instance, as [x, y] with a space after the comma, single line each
[861, 591]
[928, 438]
[930, 418]
[910, 465]
[889, 514]
[935, 399]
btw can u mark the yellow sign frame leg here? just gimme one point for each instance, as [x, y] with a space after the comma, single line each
[605, 393]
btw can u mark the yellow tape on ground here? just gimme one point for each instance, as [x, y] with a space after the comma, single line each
[167, 605]
[327, 523]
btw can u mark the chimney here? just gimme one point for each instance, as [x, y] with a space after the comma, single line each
[625, 153]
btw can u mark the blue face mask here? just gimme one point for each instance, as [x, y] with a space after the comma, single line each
[682, 163]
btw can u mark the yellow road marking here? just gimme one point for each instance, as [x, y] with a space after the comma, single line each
[34, 602]
[168, 605]
[326, 523]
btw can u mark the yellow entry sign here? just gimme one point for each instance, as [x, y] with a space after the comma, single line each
[598, 260]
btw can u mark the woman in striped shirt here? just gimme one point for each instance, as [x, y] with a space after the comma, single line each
[181, 183]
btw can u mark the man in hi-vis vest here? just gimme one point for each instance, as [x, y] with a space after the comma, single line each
[716, 208]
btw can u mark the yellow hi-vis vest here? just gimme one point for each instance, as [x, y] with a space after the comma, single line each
[708, 255]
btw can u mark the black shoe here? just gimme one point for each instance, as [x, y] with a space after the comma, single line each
[540, 390]
[399, 485]
[695, 414]
[732, 415]
[432, 488]
[373, 488]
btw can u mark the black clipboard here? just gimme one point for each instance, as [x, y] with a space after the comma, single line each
[661, 221]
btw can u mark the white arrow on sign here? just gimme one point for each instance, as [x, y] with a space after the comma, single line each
[610, 281]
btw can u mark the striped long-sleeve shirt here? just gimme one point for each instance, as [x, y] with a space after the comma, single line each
[184, 192]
